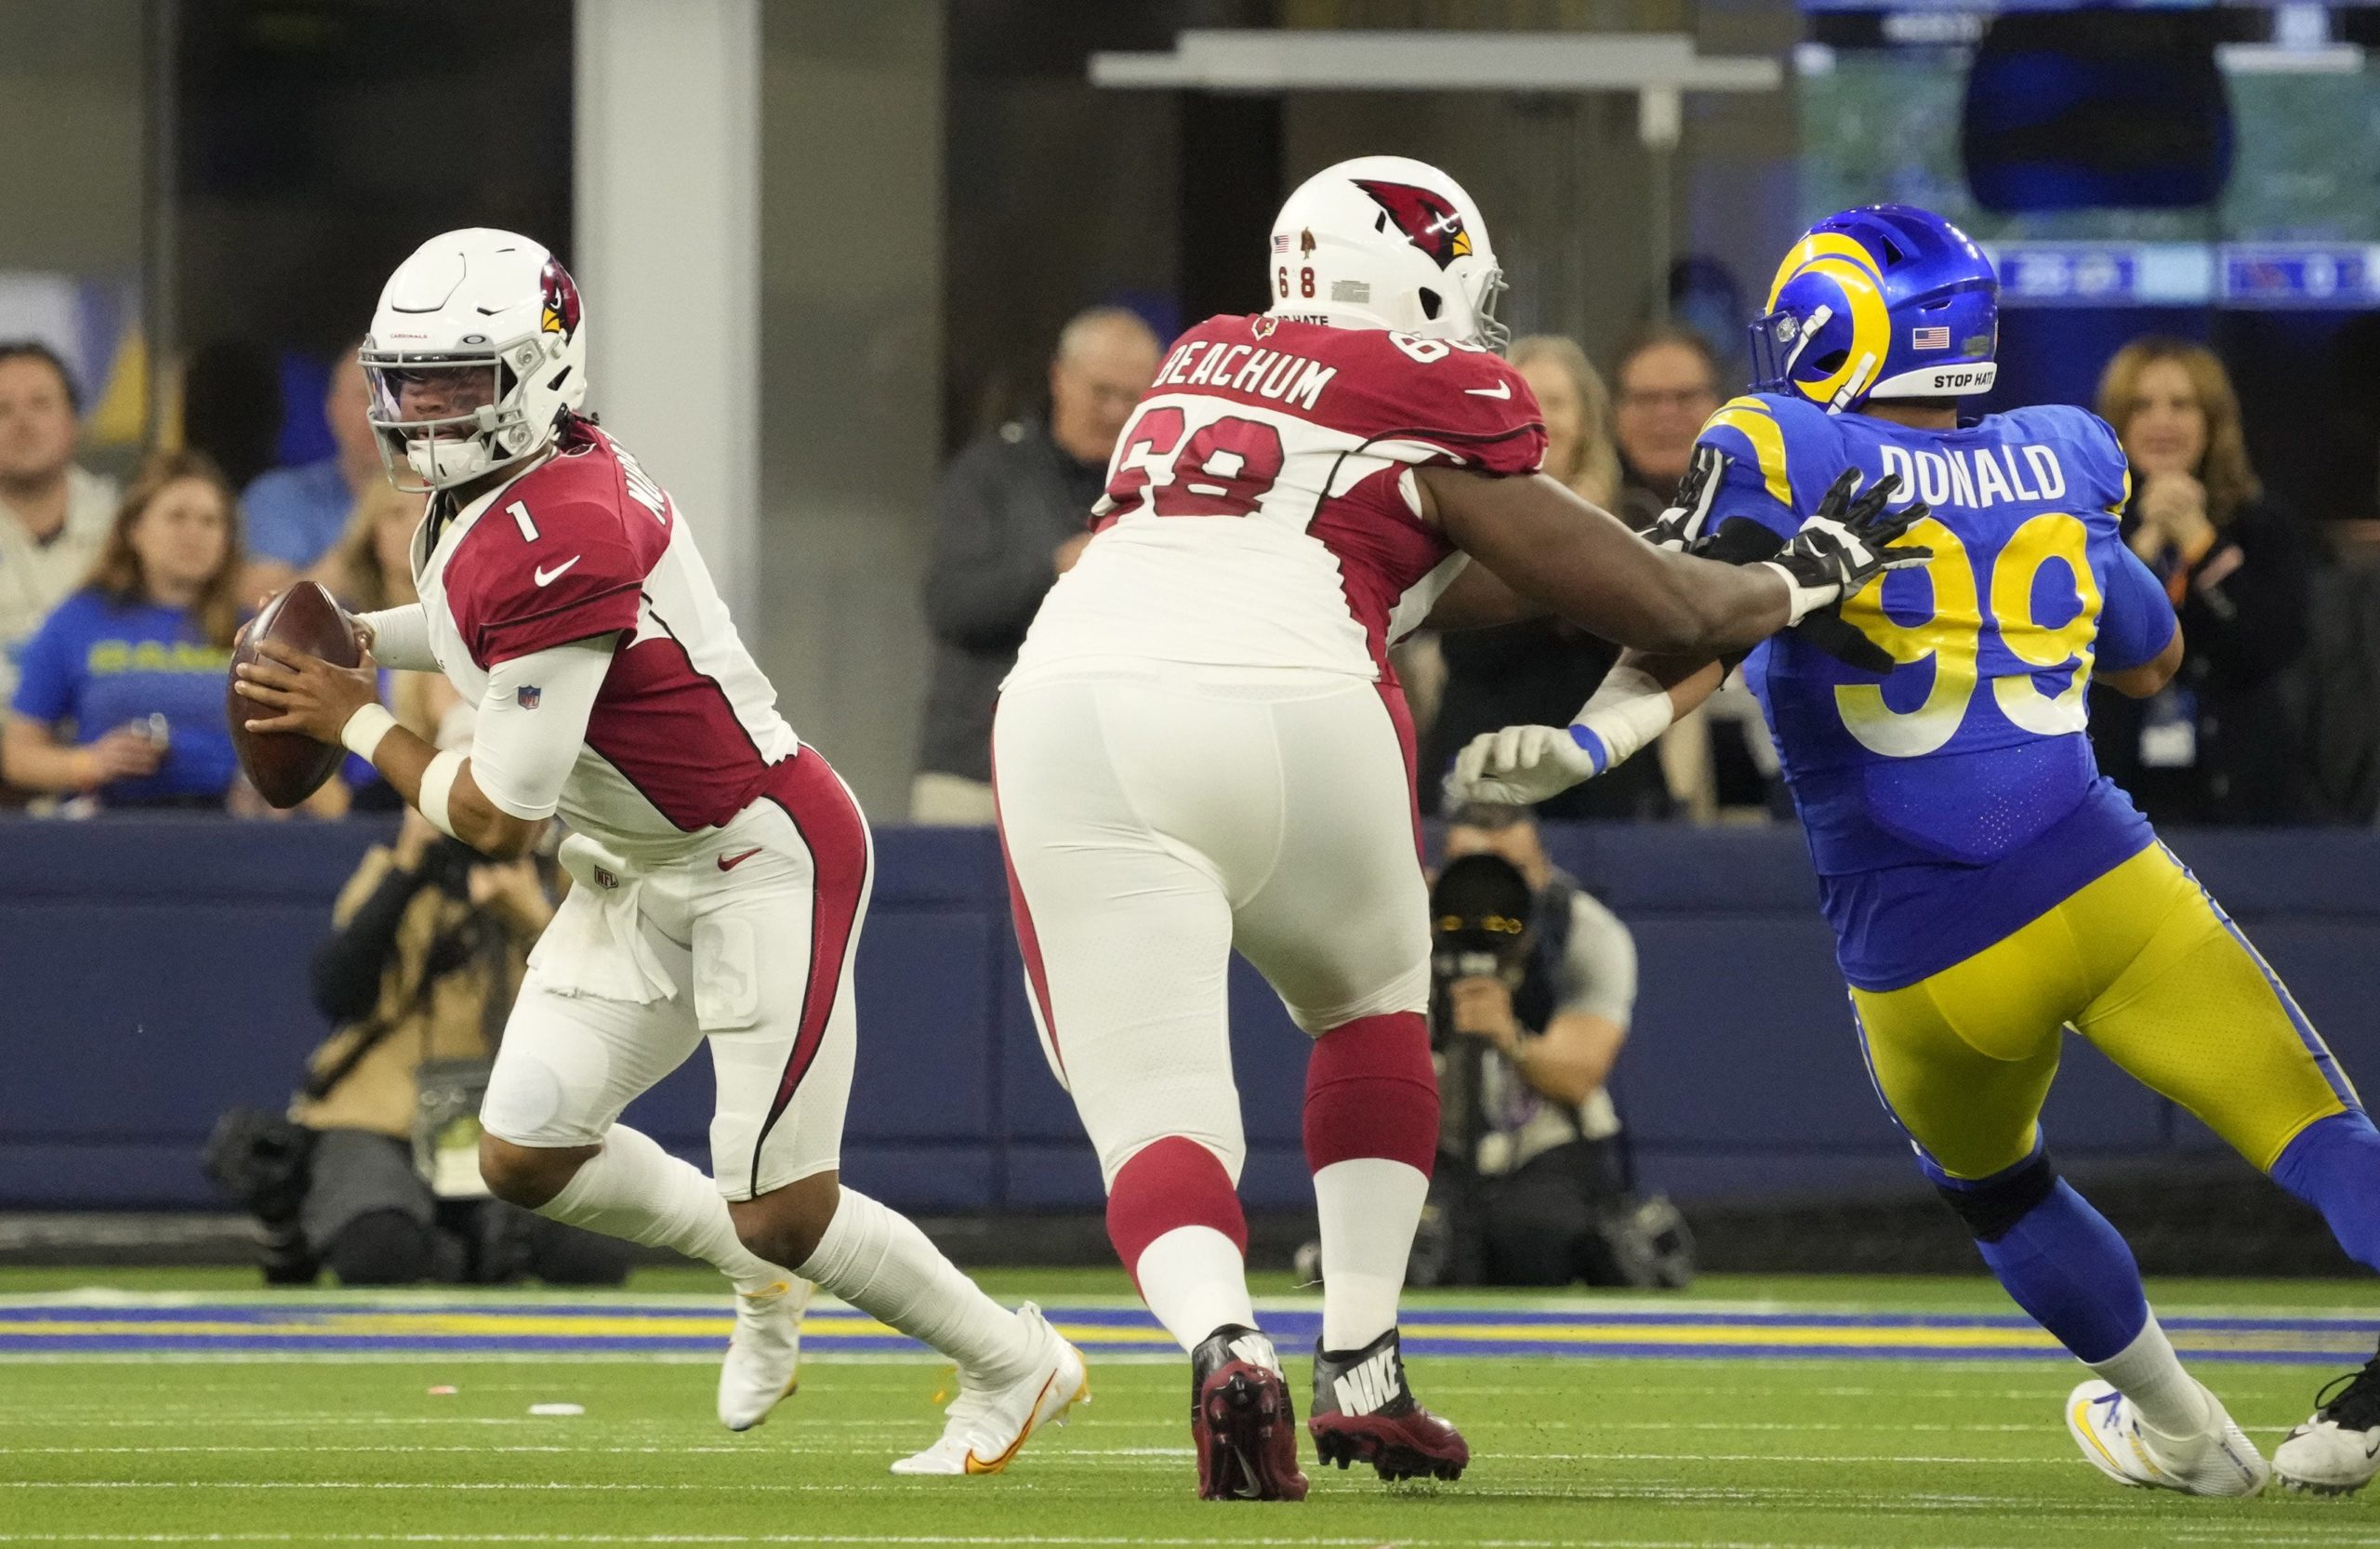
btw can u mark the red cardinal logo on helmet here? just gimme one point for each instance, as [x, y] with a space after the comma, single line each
[560, 315]
[1427, 219]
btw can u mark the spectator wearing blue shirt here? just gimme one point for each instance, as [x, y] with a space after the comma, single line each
[120, 691]
[295, 515]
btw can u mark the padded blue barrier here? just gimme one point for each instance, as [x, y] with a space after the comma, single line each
[153, 973]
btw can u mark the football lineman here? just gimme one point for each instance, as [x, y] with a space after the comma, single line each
[1989, 888]
[1202, 748]
[720, 869]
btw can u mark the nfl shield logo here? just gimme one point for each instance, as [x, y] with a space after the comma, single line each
[527, 695]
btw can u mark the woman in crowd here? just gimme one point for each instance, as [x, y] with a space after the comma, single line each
[370, 568]
[1540, 672]
[120, 691]
[2217, 746]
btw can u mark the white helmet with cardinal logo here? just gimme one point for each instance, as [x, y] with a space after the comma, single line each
[1387, 241]
[477, 350]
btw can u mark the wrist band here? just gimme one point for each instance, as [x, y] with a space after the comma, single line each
[437, 785]
[1629, 710]
[365, 728]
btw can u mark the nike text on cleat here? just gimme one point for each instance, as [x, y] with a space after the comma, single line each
[1365, 1411]
[1241, 1420]
[2218, 1460]
[2338, 1450]
[762, 1355]
[986, 1426]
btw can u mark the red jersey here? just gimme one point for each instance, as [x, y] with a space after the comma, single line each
[1261, 509]
[685, 732]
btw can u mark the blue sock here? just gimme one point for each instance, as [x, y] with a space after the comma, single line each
[2334, 1165]
[2065, 1265]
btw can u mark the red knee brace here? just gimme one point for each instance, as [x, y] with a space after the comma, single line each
[1370, 1091]
[1170, 1182]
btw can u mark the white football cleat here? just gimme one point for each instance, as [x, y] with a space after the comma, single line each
[984, 1427]
[763, 1352]
[2338, 1450]
[2220, 1459]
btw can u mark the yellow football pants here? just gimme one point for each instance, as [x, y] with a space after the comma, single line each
[2142, 963]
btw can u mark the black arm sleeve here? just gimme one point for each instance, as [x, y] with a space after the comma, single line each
[345, 974]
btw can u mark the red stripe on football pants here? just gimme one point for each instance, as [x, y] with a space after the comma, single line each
[822, 813]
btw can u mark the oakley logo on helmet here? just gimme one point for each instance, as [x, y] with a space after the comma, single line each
[561, 314]
[1427, 219]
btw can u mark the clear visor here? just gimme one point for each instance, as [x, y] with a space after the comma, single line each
[425, 396]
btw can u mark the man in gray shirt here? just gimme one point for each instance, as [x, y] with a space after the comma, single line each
[1010, 517]
[54, 516]
[1550, 1189]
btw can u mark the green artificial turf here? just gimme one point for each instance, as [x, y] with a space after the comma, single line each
[1651, 1453]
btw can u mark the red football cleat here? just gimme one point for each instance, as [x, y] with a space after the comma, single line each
[1241, 1420]
[1364, 1412]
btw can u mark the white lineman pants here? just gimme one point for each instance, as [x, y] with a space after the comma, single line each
[748, 943]
[1155, 816]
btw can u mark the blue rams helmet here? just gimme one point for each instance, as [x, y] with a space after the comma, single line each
[1884, 301]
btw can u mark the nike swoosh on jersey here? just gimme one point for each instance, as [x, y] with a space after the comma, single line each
[548, 577]
[729, 863]
[1502, 390]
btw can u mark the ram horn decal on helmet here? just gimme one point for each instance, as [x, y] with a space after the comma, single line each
[1886, 301]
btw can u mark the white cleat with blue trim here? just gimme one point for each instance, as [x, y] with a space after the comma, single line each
[2219, 1460]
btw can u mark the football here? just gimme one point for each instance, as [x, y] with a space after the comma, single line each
[286, 768]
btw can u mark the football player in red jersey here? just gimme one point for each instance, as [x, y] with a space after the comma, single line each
[721, 867]
[1202, 748]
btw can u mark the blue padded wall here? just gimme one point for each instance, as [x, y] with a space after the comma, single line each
[152, 973]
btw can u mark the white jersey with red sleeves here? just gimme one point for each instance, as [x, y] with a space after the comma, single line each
[685, 732]
[1259, 509]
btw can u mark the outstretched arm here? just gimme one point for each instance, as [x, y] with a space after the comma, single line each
[1582, 563]
[1639, 699]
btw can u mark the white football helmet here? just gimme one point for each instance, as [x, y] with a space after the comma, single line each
[1387, 241]
[477, 350]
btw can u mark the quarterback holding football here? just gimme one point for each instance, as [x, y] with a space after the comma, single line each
[720, 869]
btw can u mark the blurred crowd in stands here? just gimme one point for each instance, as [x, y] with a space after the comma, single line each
[117, 605]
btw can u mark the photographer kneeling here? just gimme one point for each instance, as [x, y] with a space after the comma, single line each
[428, 949]
[1535, 983]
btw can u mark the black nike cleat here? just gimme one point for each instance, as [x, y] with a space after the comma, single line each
[2338, 1451]
[1365, 1411]
[1241, 1420]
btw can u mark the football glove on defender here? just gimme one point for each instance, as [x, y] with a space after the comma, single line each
[1842, 546]
[1680, 528]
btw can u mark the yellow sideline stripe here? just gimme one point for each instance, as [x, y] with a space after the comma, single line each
[1586, 1333]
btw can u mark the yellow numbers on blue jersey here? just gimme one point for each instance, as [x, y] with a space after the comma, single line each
[1951, 635]
[2051, 535]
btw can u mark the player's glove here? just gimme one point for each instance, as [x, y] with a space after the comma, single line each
[1842, 546]
[1680, 528]
[1522, 765]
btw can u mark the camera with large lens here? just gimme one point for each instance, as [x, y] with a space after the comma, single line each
[1479, 923]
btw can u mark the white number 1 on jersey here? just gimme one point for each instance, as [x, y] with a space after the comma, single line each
[518, 511]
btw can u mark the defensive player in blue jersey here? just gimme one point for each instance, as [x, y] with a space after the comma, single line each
[1987, 885]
